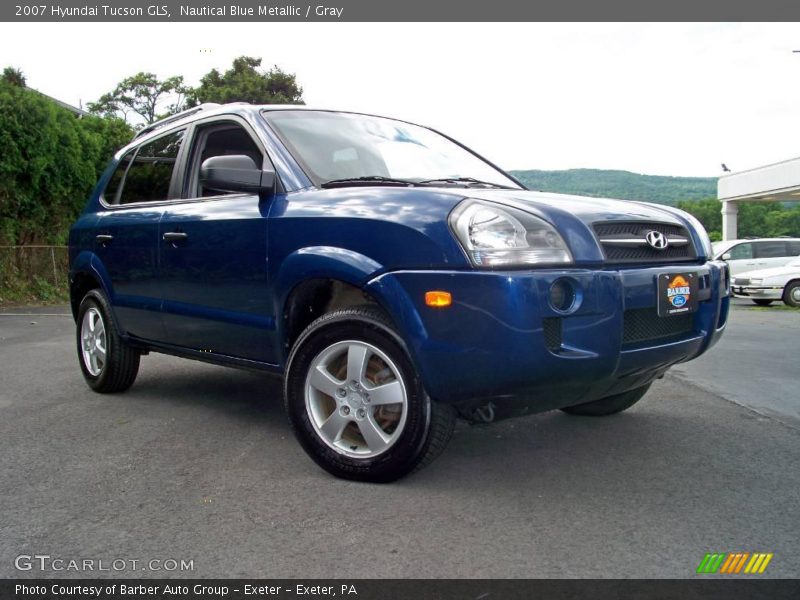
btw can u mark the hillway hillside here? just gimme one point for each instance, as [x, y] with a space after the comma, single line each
[620, 184]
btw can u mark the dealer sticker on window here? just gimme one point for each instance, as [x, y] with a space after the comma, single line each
[677, 294]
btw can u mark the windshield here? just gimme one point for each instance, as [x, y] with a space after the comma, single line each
[335, 146]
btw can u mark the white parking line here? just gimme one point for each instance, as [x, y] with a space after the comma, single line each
[35, 315]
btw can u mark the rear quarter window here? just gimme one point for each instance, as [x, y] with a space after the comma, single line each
[149, 175]
[114, 184]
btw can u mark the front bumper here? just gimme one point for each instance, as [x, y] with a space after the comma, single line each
[757, 292]
[496, 343]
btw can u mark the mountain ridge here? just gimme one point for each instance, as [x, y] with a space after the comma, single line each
[625, 185]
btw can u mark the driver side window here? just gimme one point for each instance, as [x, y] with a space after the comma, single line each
[218, 140]
[742, 251]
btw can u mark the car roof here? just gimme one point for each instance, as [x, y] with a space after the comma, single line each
[211, 109]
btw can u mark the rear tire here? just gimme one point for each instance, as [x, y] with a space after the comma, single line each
[791, 294]
[762, 302]
[108, 364]
[355, 400]
[610, 405]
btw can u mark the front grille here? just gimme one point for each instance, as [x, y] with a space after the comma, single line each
[642, 252]
[644, 325]
[552, 333]
[741, 281]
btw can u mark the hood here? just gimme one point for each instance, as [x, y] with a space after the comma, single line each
[588, 210]
[783, 271]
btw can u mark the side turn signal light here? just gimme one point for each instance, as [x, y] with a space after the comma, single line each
[438, 299]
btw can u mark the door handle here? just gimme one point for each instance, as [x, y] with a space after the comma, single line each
[104, 239]
[175, 236]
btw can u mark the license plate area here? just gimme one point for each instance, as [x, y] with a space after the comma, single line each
[677, 294]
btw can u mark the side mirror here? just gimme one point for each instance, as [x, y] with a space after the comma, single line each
[235, 173]
[726, 256]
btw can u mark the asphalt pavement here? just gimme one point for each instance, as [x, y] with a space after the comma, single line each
[197, 463]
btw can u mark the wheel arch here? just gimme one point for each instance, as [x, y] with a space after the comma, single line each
[85, 276]
[317, 280]
[789, 284]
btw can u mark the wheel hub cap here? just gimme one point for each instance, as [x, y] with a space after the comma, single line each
[356, 399]
[93, 342]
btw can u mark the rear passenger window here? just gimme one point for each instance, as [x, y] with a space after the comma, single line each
[742, 251]
[149, 176]
[794, 248]
[770, 249]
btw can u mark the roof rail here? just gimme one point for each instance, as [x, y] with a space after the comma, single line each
[175, 117]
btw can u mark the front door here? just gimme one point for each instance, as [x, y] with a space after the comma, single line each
[213, 254]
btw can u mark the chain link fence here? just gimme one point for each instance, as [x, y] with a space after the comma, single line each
[33, 272]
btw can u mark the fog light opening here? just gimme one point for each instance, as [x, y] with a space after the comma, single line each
[563, 296]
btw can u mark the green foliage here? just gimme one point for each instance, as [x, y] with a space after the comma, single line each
[708, 212]
[761, 219]
[49, 164]
[619, 184]
[14, 76]
[142, 94]
[246, 82]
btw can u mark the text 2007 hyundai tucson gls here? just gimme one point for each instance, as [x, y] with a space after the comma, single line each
[394, 277]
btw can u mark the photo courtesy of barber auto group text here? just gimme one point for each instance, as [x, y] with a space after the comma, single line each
[399, 300]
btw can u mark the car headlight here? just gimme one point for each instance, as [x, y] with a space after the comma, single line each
[494, 236]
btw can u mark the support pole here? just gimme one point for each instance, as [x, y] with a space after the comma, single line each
[730, 211]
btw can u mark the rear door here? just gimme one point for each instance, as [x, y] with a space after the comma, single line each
[773, 253]
[127, 233]
[213, 254]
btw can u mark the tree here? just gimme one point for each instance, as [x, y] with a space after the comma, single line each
[14, 76]
[50, 162]
[144, 95]
[762, 219]
[708, 212]
[247, 82]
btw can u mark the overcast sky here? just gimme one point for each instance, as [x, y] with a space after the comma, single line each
[664, 99]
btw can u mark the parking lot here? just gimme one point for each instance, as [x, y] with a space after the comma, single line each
[198, 463]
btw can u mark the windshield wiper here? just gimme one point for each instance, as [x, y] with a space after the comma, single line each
[469, 181]
[367, 180]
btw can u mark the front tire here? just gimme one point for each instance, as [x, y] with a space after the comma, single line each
[791, 294]
[108, 364]
[356, 403]
[610, 405]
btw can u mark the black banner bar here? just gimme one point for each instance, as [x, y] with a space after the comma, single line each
[400, 589]
[398, 11]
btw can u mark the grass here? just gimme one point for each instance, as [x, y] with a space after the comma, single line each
[775, 306]
[15, 291]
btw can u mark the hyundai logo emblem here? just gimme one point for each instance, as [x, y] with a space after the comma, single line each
[657, 240]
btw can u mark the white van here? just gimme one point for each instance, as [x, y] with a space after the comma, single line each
[757, 253]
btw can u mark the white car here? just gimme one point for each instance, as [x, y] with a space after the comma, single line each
[764, 286]
[756, 253]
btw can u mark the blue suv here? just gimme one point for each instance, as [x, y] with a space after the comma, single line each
[396, 279]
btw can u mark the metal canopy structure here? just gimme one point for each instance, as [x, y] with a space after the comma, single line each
[776, 182]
